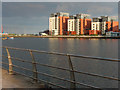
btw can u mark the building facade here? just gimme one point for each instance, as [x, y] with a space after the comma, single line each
[79, 24]
[95, 26]
[104, 24]
[71, 28]
[58, 23]
[113, 34]
[83, 23]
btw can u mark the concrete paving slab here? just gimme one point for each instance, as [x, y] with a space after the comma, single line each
[18, 81]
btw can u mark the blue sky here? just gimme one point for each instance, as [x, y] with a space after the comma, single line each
[32, 17]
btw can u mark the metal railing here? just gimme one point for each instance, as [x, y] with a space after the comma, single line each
[71, 69]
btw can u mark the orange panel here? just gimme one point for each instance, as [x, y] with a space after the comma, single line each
[69, 32]
[81, 26]
[115, 26]
[85, 24]
[63, 24]
[60, 25]
[92, 32]
[109, 26]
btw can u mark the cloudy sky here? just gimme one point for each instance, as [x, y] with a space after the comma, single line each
[32, 17]
[0, 15]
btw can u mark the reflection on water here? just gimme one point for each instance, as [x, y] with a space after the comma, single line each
[92, 47]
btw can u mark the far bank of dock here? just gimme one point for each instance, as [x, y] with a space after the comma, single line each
[84, 37]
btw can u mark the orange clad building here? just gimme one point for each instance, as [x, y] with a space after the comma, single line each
[84, 23]
[87, 25]
[115, 26]
[94, 32]
[104, 24]
[108, 26]
[112, 26]
[62, 24]
[58, 23]
[79, 24]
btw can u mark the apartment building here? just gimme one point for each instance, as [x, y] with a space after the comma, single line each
[58, 23]
[79, 24]
[71, 28]
[62, 24]
[95, 26]
[115, 26]
[104, 24]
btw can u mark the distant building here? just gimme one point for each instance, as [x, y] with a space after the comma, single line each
[58, 23]
[79, 24]
[19, 34]
[104, 24]
[71, 29]
[112, 34]
[46, 31]
[95, 28]
[43, 34]
[3, 34]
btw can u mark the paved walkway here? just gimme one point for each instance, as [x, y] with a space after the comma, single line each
[17, 81]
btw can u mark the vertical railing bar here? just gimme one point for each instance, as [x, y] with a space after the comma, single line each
[72, 75]
[10, 62]
[34, 67]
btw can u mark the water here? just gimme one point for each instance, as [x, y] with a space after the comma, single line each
[107, 48]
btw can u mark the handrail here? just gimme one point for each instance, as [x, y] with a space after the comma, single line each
[71, 68]
[86, 73]
[64, 54]
[37, 79]
[54, 76]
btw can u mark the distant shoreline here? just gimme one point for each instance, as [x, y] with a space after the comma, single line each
[84, 37]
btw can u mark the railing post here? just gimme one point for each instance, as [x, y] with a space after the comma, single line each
[10, 62]
[34, 67]
[72, 75]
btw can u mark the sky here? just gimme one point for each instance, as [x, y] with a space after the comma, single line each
[0, 15]
[60, 0]
[32, 17]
